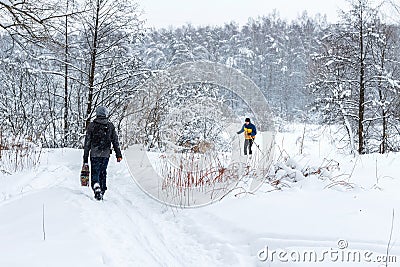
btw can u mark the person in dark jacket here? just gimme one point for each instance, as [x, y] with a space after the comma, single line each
[99, 137]
[250, 132]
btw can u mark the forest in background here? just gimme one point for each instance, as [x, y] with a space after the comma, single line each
[59, 60]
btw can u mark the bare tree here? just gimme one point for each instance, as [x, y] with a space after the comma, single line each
[109, 28]
[346, 71]
[30, 19]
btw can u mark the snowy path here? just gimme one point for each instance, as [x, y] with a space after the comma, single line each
[130, 229]
[126, 229]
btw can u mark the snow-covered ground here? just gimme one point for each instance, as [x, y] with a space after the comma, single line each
[345, 209]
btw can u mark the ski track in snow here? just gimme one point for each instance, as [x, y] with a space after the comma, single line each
[128, 227]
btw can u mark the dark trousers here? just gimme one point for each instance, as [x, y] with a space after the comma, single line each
[99, 171]
[248, 143]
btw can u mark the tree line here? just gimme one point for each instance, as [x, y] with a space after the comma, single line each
[58, 63]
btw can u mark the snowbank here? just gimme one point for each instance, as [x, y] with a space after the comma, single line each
[48, 219]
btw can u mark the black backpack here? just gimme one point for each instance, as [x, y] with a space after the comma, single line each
[101, 136]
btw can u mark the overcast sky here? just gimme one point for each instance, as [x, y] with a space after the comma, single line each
[162, 13]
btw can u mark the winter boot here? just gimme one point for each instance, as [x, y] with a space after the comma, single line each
[97, 192]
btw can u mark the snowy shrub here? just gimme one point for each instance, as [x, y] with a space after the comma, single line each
[18, 155]
[295, 169]
[191, 169]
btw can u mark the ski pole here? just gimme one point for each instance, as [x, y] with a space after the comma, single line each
[254, 142]
[240, 148]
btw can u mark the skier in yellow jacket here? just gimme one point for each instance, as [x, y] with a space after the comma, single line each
[250, 132]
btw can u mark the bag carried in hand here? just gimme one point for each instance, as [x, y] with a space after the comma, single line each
[85, 175]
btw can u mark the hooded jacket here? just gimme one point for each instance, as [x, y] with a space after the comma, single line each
[99, 137]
